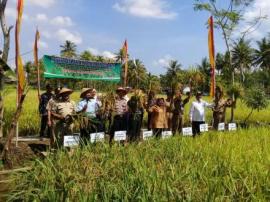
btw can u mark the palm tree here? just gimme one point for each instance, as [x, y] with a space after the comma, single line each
[87, 55]
[242, 56]
[196, 77]
[100, 58]
[68, 49]
[262, 54]
[204, 68]
[137, 74]
[173, 75]
[120, 56]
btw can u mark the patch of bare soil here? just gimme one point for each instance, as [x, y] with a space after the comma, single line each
[18, 157]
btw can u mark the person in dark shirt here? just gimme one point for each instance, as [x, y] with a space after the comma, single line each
[135, 117]
[44, 99]
[151, 101]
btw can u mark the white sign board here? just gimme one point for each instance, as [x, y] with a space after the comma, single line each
[203, 127]
[221, 126]
[71, 140]
[232, 126]
[147, 134]
[187, 131]
[120, 135]
[97, 137]
[166, 134]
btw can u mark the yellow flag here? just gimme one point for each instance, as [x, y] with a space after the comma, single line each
[19, 63]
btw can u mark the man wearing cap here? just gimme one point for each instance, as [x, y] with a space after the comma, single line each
[120, 112]
[197, 113]
[61, 113]
[88, 106]
[44, 99]
[178, 111]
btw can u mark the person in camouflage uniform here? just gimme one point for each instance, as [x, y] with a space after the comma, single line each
[178, 111]
[62, 113]
[220, 105]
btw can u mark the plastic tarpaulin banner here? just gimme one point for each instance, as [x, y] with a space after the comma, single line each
[66, 68]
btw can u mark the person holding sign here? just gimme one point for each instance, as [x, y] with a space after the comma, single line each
[159, 121]
[178, 111]
[88, 107]
[197, 113]
[62, 113]
[220, 105]
[120, 113]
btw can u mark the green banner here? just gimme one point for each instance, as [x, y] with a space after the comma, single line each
[65, 68]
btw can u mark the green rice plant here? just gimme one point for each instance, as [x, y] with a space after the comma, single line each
[216, 166]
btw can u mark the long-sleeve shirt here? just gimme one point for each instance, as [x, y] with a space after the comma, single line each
[197, 110]
[45, 97]
[92, 106]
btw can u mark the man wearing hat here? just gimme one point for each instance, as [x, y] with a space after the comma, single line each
[62, 120]
[197, 113]
[120, 112]
[44, 99]
[88, 107]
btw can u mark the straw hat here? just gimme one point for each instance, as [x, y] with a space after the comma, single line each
[65, 91]
[121, 89]
[84, 91]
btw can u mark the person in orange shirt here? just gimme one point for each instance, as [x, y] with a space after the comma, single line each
[159, 120]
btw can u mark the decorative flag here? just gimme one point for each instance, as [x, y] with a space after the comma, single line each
[211, 47]
[125, 57]
[19, 63]
[37, 37]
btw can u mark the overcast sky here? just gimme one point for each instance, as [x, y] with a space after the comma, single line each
[157, 30]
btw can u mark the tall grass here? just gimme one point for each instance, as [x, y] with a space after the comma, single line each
[213, 167]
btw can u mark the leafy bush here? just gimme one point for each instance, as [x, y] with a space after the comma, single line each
[256, 99]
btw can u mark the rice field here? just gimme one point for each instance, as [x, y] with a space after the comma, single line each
[213, 167]
[217, 166]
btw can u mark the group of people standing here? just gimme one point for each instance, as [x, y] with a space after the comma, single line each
[94, 114]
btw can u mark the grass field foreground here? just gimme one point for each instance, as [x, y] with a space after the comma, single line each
[213, 167]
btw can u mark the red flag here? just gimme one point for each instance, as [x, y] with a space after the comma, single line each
[211, 47]
[125, 55]
[19, 63]
[37, 36]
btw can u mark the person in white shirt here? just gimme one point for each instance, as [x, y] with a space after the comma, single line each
[197, 113]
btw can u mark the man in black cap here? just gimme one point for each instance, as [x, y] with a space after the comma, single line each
[44, 99]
